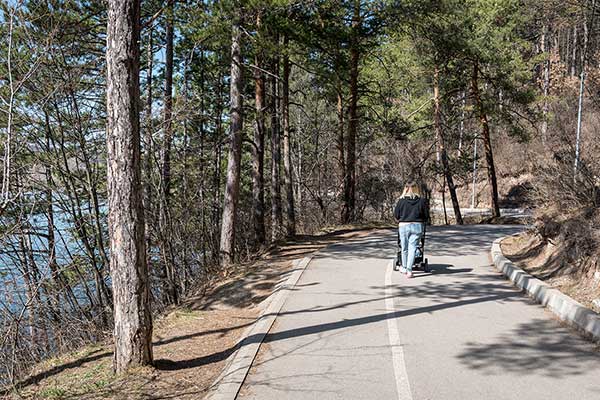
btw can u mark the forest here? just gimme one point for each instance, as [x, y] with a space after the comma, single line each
[148, 146]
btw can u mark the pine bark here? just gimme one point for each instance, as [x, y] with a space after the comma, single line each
[442, 147]
[258, 150]
[129, 271]
[232, 185]
[487, 142]
[288, 182]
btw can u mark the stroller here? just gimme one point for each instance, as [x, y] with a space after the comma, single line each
[421, 263]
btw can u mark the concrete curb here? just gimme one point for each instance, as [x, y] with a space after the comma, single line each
[228, 384]
[567, 309]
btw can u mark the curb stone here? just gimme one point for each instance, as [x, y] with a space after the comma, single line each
[565, 308]
[228, 384]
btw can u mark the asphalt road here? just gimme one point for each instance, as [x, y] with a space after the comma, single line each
[355, 329]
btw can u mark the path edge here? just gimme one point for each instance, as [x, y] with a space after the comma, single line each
[564, 307]
[229, 382]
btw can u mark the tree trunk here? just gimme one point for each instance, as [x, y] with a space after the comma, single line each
[149, 145]
[442, 146]
[53, 266]
[545, 82]
[170, 286]
[276, 213]
[201, 162]
[565, 48]
[287, 154]
[258, 150]
[474, 173]
[340, 137]
[487, 142]
[232, 185]
[168, 109]
[461, 127]
[129, 271]
[217, 204]
[444, 202]
[581, 90]
[574, 53]
[30, 280]
[349, 211]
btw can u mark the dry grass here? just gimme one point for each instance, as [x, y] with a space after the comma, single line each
[190, 349]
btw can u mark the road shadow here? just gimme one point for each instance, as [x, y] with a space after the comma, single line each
[459, 295]
[540, 347]
[440, 269]
[465, 240]
[452, 240]
[381, 244]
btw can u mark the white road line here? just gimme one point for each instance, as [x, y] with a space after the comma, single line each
[402, 383]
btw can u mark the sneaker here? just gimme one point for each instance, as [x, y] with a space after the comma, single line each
[396, 267]
[403, 270]
[409, 275]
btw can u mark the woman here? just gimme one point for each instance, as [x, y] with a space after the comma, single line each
[411, 213]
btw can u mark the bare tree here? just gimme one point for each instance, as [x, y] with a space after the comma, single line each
[487, 141]
[582, 86]
[439, 132]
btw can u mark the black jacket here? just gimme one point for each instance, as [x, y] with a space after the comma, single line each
[412, 210]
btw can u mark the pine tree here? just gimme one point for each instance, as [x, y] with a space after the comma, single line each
[129, 271]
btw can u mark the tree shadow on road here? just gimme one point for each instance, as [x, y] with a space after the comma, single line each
[440, 241]
[440, 269]
[465, 240]
[456, 293]
[539, 347]
[454, 287]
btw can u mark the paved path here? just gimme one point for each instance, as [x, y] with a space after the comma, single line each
[461, 332]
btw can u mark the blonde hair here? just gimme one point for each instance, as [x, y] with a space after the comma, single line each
[411, 190]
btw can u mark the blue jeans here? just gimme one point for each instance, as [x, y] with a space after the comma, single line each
[410, 235]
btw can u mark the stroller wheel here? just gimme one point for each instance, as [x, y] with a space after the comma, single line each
[426, 265]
